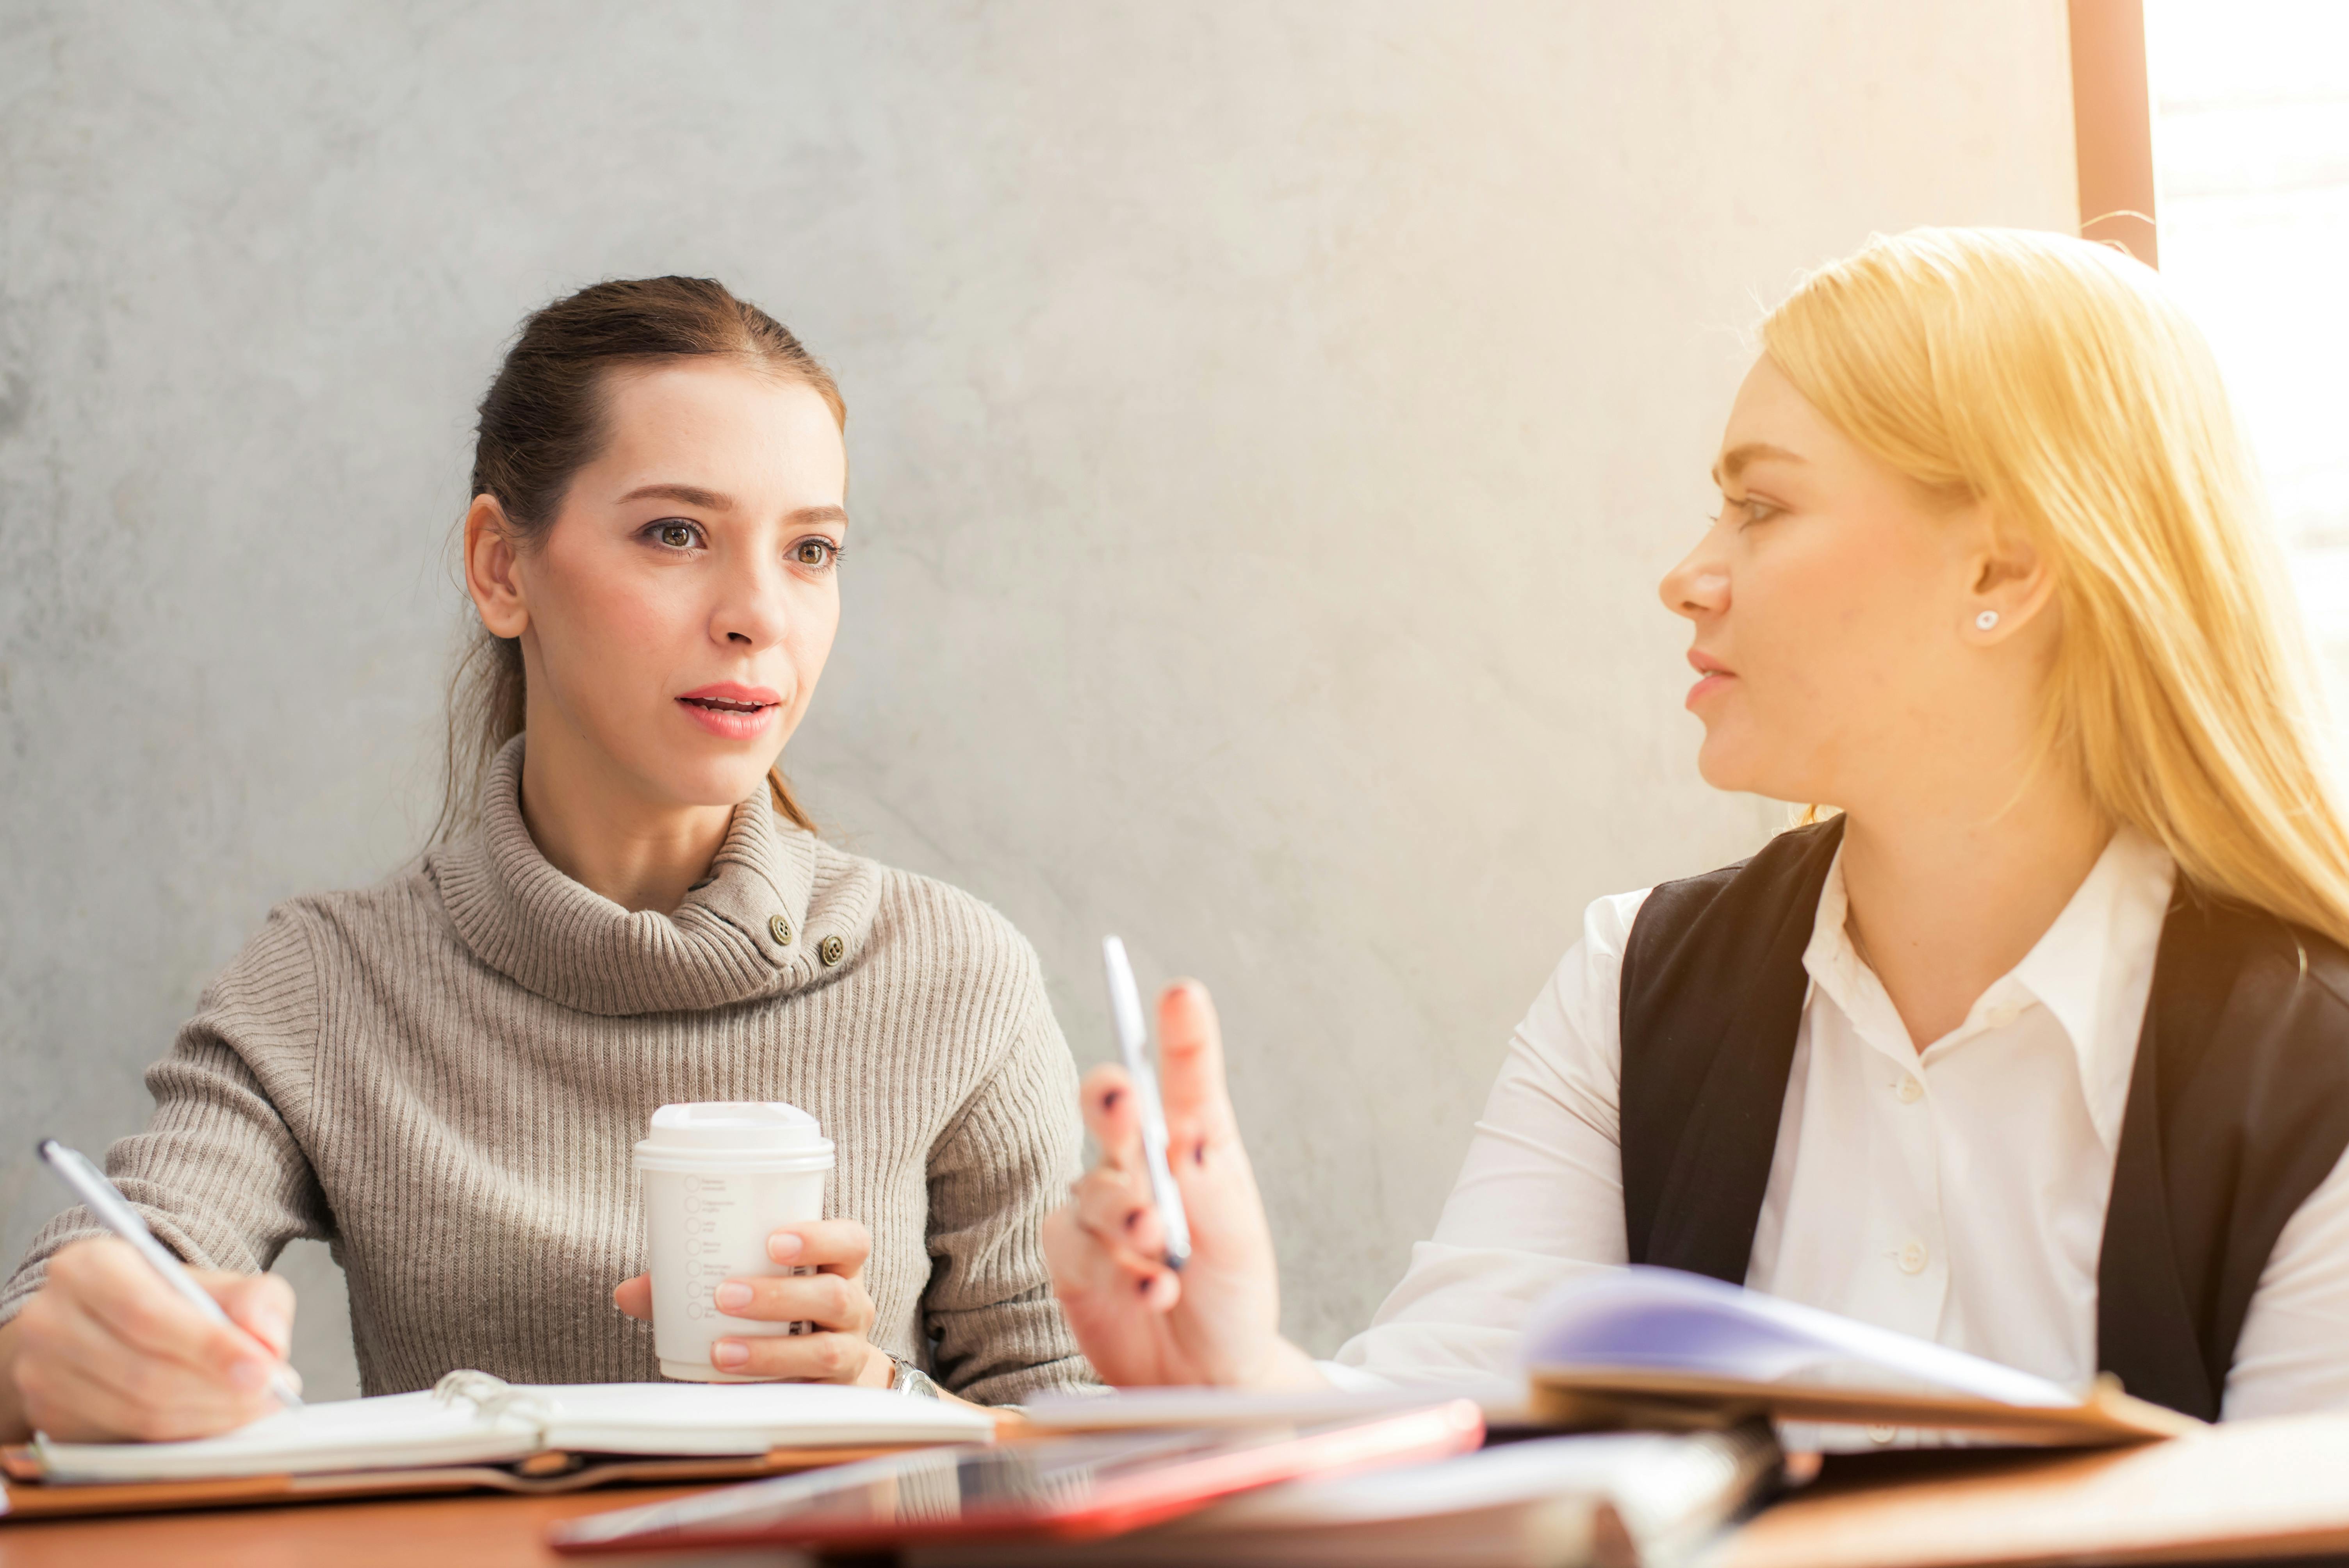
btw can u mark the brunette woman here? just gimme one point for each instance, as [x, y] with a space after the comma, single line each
[442, 1076]
[2040, 1047]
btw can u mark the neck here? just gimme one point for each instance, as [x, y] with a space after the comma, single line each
[605, 836]
[1947, 895]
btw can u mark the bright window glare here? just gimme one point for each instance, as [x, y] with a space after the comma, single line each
[2250, 109]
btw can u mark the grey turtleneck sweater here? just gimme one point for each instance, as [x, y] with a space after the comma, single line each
[442, 1076]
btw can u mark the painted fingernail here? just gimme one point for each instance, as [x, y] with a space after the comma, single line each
[729, 1353]
[733, 1295]
[785, 1245]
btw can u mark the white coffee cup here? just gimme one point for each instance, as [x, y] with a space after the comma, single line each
[718, 1178]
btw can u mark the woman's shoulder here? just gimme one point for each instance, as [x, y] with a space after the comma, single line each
[939, 928]
[1586, 976]
[275, 979]
[403, 905]
[1606, 921]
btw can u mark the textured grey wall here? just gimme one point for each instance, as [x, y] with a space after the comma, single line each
[1269, 421]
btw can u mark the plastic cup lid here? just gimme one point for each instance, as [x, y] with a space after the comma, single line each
[747, 1126]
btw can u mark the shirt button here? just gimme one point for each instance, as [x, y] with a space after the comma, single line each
[780, 928]
[1912, 1258]
[1880, 1436]
[832, 950]
[1911, 1090]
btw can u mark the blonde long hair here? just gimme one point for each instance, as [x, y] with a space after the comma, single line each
[2055, 379]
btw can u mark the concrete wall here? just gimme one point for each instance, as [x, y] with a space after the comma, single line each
[1269, 421]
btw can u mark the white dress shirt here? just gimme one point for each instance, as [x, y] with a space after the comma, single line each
[1955, 1195]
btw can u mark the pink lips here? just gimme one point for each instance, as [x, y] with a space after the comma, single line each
[1712, 676]
[732, 711]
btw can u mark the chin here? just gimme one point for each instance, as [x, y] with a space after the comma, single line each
[1716, 761]
[1726, 761]
[710, 780]
[1740, 769]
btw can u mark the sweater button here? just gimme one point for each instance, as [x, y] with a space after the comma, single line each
[780, 928]
[832, 950]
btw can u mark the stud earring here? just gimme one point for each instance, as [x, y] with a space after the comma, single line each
[1986, 620]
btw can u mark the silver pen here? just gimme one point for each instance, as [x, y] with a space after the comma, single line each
[1134, 1044]
[102, 1197]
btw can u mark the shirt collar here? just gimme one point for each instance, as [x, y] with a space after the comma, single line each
[2092, 969]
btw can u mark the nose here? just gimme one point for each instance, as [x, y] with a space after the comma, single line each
[1698, 586]
[753, 610]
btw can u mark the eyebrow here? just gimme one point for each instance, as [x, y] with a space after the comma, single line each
[691, 495]
[1735, 460]
[715, 500]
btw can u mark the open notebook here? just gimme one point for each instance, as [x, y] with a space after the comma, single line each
[1649, 1346]
[475, 1430]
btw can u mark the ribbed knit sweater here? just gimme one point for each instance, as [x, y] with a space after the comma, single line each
[442, 1076]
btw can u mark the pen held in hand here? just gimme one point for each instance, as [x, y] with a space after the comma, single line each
[1132, 1044]
[113, 1211]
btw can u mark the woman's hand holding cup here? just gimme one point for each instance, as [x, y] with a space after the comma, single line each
[834, 1299]
[1139, 1322]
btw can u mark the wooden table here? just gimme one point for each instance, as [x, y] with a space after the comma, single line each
[411, 1532]
[2274, 1491]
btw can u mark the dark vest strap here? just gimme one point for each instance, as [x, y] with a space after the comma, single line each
[1712, 990]
[2238, 1109]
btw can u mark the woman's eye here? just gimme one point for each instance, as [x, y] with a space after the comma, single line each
[1757, 510]
[815, 552]
[675, 535]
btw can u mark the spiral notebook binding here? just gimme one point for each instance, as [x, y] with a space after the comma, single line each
[495, 1398]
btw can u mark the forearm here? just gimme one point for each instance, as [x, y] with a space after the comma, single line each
[1000, 1336]
[1287, 1366]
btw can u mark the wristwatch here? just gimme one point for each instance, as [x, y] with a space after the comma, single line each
[910, 1380]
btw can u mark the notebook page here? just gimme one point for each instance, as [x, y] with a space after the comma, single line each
[392, 1430]
[673, 1418]
[1665, 1321]
[1102, 1410]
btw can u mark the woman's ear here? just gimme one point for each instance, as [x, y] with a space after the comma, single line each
[489, 576]
[2010, 582]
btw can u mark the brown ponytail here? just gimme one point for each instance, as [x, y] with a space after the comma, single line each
[541, 423]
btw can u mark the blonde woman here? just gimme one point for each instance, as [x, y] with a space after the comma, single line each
[2039, 1047]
